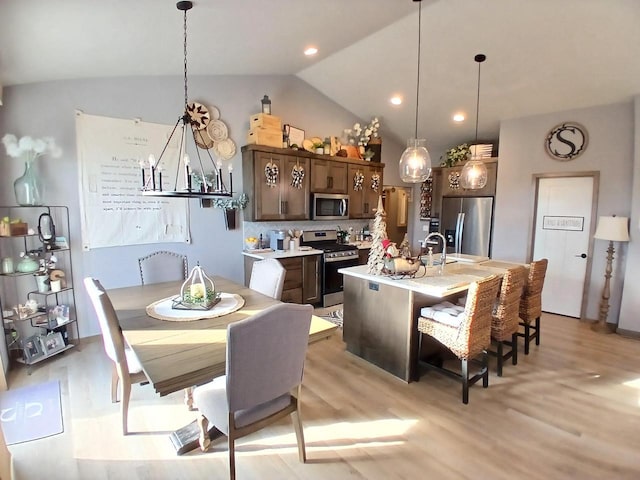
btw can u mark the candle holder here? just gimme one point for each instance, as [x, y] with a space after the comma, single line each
[198, 292]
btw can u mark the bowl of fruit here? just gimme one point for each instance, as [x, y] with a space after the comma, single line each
[251, 243]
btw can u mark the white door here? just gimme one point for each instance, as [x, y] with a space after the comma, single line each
[562, 231]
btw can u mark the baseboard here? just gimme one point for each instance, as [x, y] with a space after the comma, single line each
[628, 333]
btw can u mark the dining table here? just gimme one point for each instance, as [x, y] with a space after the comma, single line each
[178, 355]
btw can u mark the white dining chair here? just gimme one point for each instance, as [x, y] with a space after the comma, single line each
[267, 277]
[162, 266]
[264, 363]
[126, 366]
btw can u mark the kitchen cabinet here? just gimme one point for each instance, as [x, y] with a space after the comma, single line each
[282, 198]
[328, 176]
[450, 182]
[363, 255]
[33, 336]
[365, 186]
[301, 281]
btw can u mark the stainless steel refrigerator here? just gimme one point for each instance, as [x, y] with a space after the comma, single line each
[466, 224]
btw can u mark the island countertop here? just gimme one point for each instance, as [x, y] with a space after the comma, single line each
[455, 278]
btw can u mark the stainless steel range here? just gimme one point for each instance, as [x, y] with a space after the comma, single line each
[336, 256]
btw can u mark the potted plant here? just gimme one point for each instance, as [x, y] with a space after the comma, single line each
[318, 147]
[456, 155]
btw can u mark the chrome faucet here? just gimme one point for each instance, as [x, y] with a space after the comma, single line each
[443, 255]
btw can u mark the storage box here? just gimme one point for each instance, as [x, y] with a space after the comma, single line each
[13, 229]
[262, 120]
[265, 136]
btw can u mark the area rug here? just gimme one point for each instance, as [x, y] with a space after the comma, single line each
[334, 317]
[30, 413]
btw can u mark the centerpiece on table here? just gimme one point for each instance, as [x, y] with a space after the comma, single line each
[28, 188]
[198, 292]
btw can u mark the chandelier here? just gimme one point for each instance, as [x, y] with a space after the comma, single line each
[191, 123]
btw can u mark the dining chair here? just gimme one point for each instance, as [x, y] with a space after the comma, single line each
[531, 303]
[264, 364]
[506, 317]
[465, 331]
[267, 277]
[162, 266]
[126, 366]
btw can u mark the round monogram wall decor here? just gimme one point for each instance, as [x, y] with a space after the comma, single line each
[566, 141]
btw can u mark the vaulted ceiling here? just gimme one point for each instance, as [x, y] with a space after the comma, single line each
[542, 55]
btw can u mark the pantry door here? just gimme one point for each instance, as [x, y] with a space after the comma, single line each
[563, 234]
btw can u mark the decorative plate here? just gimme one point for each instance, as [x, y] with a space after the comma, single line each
[199, 115]
[317, 140]
[214, 113]
[225, 148]
[202, 139]
[307, 144]
[217, 130]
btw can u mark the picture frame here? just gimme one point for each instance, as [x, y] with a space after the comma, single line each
[295, 135]
[58, 315]
[32, 349]
[52, 343]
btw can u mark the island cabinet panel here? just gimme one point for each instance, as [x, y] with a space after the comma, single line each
[328, 176]
[311, 279]
[282, 198]
[363, 190]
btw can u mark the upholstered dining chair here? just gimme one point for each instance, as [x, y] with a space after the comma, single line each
[506, 317]
[267, 277]
[162, 266]
[264, 363]
[531, 303]
[465, 331]
[126, 367]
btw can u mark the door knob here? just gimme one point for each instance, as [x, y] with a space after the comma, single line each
[582, 255]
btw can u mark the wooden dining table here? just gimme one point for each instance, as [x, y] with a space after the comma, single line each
[181, 354]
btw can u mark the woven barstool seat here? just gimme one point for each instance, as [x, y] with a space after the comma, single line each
[531, 303]
[467, 333]
[506, 317]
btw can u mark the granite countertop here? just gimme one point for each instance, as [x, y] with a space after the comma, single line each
[285, 254]
[361, 245]
[456, 278]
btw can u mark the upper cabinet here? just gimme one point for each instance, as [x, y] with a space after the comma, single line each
[450, 182]
[277, 185]
[280, 182]
[365, 186]
[328, 176]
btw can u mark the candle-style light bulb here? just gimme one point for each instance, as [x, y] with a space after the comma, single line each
[230, 178]
[219, 179]
[152, 161]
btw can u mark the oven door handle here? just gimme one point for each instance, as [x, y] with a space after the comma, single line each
[340, 259]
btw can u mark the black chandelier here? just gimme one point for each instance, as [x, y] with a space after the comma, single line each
[209, 186]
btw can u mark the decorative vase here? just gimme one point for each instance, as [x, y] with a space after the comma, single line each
[28, 188]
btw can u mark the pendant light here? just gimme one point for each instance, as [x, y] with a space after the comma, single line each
[415, 162]
[474, 173]
[189, 121]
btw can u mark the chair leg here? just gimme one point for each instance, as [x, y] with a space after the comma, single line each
[514, 348]
[203, 437]
[124, 406]
[114, 384]
[538, 331]
[297, 425]
[526, 338]
[499, 358]
[465, 380]
[485, 369]
[188, 398]
[232, 457]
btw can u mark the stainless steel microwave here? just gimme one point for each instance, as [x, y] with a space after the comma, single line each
[329, 206]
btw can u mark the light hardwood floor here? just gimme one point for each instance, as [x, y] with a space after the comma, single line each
[571, 409]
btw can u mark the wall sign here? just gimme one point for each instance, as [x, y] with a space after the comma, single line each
[566, 141]
[575, 224]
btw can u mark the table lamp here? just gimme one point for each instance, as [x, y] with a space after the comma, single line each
[614, 229]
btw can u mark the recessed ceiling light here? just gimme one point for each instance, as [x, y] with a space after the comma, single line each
[310, 51]
[396, 100]
[458, 117]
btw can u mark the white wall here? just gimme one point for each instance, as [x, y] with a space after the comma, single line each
[522, 154]
[47, 109]
[630, 308]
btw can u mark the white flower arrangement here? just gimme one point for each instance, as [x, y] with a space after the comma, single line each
[29, 148]
[361, 136]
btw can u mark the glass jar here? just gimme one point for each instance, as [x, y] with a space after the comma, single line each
[28, 188]
[7, 265]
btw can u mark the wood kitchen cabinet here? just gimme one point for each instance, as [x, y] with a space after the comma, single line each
[363, 199]
[328, 176]
[282, 200]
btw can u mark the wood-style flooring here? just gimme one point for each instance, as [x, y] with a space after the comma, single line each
[571, 409]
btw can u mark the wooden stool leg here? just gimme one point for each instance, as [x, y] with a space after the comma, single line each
[514, 348]
[465, 381]
[485, 369]
[499, 358]
[538, 331]
[526, 338]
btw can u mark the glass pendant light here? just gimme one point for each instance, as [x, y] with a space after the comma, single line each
[474, 172]
[415, 162]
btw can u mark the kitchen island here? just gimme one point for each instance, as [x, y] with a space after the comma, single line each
[381, 312]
